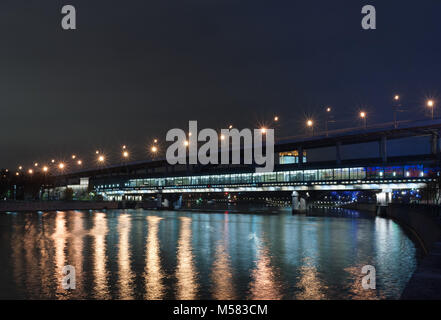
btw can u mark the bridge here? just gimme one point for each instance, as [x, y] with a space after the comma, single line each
[293, 172]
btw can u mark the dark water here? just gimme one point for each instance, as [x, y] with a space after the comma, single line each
[138, 254]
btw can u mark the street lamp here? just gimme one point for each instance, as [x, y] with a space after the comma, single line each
[328, 113]
[263, 130]
[431, 105]
[45, 169]
[61, 166]
[154, 149]
[101, 158]
[396, 105]
[363, 116]
[310, 124]
[79, 162]
[276, 118]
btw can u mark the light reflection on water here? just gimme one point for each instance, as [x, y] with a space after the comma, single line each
[136, 254]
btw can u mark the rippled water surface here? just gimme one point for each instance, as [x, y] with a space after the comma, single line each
[136, 254]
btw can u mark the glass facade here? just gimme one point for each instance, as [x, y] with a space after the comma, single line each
[297, 176]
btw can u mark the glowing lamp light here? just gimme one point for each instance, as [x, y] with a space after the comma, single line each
[101, 158]
[430, 103]
[79, 162]
[186, 143]
[125, 154]
[30, 171]
[263, 130]
[362, 114]
[154, 149]
[276, 118]
[309, 123]
[61, 165]
[45, 169]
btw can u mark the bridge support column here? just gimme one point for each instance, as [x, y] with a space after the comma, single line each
[298, 203]
[178, 203]
[383, 149]
[338, 152]
[159, 201]
[435, 143]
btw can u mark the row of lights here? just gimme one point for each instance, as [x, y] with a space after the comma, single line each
[363, 115]
[154, 149]
[100, 159]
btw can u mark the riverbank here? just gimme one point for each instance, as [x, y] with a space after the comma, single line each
[20, 206]
[424, 221]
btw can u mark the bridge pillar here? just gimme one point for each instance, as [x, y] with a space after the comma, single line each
[384, 197]
[338, 152]
[159, 201]
[178, 203]
[298, 203]
[438, 145]
[383, 149]
[435, 143]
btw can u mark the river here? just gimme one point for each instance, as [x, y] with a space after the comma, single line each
[140, 254]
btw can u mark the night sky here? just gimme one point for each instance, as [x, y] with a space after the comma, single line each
[135, 69]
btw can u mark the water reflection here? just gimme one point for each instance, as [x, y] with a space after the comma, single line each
[264, 285]
[222, 275]
[196, 255]
[310, 284]
[76, 249]
[125, 275]
[99, 232]
[355, 288]
[59, 238]
[153, 275]
[187, 286]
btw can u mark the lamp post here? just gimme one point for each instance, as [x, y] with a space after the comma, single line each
[431, 105]
[310, 124]
[328, 113]
[395, 108]
[363, 116]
